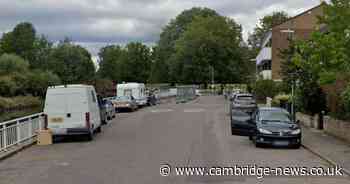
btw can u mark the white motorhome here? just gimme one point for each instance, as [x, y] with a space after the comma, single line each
[72, 110]
[137, 90]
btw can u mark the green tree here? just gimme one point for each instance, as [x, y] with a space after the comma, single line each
[135, 63]
[170, 34]
[72, 63]
[38, 81]
[110, 59]
[41, 54]
[265, 25]
[209, 43]
[20, 41]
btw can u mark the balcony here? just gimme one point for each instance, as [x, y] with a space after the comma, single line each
[265, 75]
[265, 54]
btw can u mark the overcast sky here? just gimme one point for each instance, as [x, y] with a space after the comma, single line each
[95, 23]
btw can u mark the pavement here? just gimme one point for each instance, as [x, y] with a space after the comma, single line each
[334, 150]
[132, 148]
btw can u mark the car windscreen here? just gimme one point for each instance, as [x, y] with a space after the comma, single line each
[274, 116]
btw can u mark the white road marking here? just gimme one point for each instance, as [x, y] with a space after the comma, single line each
[194, 110]
[161, 110]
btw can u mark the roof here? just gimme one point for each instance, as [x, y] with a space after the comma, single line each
[304, 12]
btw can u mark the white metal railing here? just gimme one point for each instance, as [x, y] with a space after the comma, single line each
[17, 131]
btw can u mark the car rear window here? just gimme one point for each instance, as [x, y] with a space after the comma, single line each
[245, 98]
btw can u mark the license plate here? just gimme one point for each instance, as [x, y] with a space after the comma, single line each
[56, 120]
[281, 143]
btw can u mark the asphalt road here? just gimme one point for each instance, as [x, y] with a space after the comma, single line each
[131, 149]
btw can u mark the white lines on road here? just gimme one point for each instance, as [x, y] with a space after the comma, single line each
[161, 110]
[194, 110]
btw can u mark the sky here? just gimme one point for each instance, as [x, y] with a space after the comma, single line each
[96, 23]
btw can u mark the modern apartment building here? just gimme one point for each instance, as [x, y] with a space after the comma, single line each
[278, 39]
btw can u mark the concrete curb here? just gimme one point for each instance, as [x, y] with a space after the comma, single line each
[330, 161]
[14, 151]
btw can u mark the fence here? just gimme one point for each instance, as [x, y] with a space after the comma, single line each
[17, 131]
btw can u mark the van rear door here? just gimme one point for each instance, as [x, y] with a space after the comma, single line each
[66, 110]
[77, 106]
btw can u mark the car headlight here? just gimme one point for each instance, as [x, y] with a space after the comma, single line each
[263, 131]
[295, 132]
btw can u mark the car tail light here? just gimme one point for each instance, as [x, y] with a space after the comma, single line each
[87, 120]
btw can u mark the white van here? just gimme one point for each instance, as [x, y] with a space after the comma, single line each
[72, 110]
[137, 90]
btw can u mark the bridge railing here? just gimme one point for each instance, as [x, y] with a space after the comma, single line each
[17, 131]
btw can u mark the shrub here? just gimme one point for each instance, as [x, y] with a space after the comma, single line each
[266, 88]
[10, 63]
[19, 101]
[282, 98]
[7, 86]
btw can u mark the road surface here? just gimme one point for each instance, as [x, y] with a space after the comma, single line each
[131, 149]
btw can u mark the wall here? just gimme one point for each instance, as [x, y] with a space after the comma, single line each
[307, 120]
[334, 127]
[337, 128]
[302, 25]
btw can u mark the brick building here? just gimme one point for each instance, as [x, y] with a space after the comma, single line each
[298, 27]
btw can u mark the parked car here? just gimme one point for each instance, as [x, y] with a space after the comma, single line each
[107, 110]
[151, 99]
[269, 126]
[73, 110]
[125, 103]
[244, 101]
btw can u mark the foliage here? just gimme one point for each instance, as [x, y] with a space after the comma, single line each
[136, 63]
[110, 57]
[131, 64]
[19, 101]
[20, 41]
[281, 98]
[72, 63]
[345, 106]
[266, 88]
[18, 107]
[38, 81]
[41, 55]
[170, 34]
[265, 24]
[10, 63]
[210, 43]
